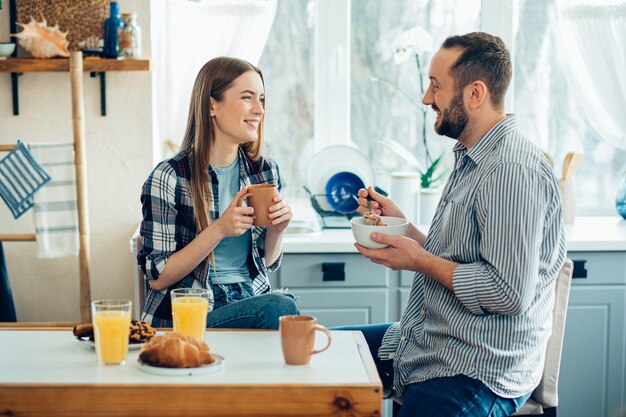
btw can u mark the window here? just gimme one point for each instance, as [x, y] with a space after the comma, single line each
[555, 109]
[386, 94]
[331, 78]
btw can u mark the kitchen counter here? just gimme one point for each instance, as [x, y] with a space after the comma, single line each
[589, 234]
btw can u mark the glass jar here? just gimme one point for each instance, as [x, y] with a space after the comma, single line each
[130, 37]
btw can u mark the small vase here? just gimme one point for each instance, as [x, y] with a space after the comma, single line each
[404, 191]
[429, 199]
[620, 199]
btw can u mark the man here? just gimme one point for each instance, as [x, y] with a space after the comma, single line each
[472, 338]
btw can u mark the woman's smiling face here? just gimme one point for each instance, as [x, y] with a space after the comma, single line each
[238, 116]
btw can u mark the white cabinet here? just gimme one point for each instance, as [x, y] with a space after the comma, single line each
[344, 306]
[593, 365]
[338, 289]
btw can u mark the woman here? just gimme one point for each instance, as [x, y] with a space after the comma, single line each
[195, 234]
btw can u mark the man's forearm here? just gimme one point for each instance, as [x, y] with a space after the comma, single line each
[439, 269]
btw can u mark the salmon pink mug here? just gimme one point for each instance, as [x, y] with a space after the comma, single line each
[297, 337]
[261, 198]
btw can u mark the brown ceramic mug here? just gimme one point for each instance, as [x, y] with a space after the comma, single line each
[261, 198]
[297, 337]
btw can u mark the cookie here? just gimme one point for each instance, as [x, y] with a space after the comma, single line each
[140, 332]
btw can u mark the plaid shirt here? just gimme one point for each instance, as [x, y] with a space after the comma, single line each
[169, 225]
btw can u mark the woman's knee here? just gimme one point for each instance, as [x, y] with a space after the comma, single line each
[276, 305]
[281, 304]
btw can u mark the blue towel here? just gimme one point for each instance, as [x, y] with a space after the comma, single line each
[7, 308]
[20, 177]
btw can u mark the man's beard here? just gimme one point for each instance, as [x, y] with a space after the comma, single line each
[453, 119]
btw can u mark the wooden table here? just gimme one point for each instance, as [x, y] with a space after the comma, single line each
[49, 373]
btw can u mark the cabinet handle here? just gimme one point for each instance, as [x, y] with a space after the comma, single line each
[333, 271]
[579, 269]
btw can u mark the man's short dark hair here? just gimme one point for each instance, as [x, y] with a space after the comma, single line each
[484, 58]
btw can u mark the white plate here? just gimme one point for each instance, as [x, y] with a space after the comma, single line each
[158, 370]
[331, 160]
[92, 345]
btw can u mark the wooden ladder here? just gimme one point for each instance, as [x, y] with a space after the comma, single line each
[80, 162]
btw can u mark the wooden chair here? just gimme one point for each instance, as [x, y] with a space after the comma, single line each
[545, 398]
[139, 281]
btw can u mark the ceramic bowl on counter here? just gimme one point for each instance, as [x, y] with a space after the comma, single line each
[362, 230]
[6, 49]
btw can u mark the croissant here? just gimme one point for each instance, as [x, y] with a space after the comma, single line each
[175, 350]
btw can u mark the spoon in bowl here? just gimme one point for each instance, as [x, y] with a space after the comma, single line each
[370, 216]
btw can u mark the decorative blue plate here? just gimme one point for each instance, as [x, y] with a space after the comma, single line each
[342, 192]
[331, 161]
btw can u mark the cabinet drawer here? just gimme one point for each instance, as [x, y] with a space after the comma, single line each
[592, 268]
[330, 270]
[344, 306]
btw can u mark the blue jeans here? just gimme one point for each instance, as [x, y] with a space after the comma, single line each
[253, 312]
[459, 395]
[454, 396]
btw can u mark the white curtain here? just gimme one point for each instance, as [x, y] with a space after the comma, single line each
[187, 34]
[593, 41]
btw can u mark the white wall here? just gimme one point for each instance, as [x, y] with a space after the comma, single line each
[119, 158]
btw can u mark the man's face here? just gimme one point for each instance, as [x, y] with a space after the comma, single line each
[442, 96]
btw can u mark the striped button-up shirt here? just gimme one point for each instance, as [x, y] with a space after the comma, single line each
[500, 218]
[169, 224]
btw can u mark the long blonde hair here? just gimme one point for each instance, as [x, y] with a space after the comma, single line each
[215, 77]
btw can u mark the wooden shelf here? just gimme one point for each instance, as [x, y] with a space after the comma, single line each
[90, 64]
[96, 66]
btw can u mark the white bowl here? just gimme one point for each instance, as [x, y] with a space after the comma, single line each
[6, 49]
[362, 230]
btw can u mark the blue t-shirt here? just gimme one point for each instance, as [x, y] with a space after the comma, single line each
[231, 254]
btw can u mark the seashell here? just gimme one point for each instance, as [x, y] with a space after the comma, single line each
[43, 41]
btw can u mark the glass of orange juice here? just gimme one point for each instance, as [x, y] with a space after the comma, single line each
[111, 323]
[190, 307]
